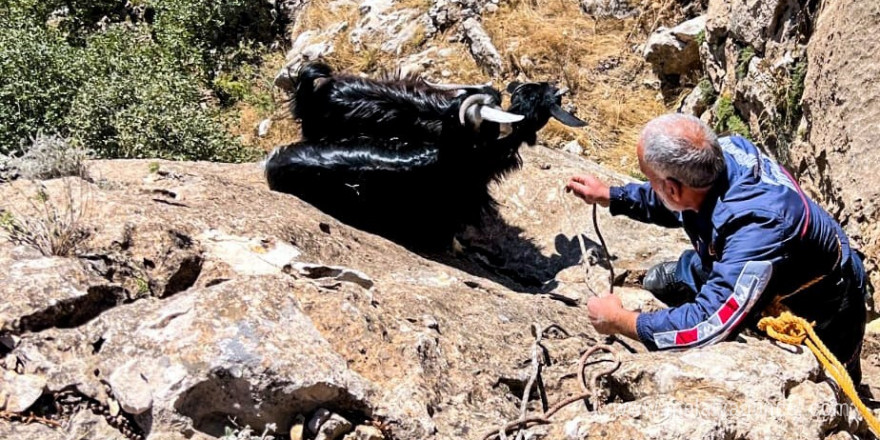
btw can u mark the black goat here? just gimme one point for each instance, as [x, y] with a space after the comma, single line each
[417, 183]
[339, 106]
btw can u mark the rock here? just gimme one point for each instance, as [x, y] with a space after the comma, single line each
[85, 424]
[675, 51]
[310, 45]
[742, 392]
[32, 431]
[873, 327]
[248, 256]
[296, 431]
[263, 128]
[21, 390]
[334, 428]
[337, 273]
[131, 389]
[753, 22]
[481, 47]
[198, 366]
[618, 9]
[387, 28]
[364, 432]
[573, 147]
[841, 131]
[42, 292]
[259, 343]
[695, 103]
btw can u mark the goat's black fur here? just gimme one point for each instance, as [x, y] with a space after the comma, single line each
[412, 193]
[386, 156]
[338, 106]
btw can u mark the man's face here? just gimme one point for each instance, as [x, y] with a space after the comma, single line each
[658, 183]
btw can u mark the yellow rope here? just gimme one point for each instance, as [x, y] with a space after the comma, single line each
[790, 329]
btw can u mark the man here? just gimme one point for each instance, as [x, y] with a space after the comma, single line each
[756, 238]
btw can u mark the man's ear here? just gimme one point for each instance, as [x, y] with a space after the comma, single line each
[673, 187]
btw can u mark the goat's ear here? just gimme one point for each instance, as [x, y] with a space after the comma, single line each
[566, 117]
[319, 82]
[512, 86]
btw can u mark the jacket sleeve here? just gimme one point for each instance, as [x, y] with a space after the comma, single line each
[639, 202]
[735, 284]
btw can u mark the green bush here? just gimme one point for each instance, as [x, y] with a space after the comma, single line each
[727, 119]
[130, 79]
[140, 103]
[743, 60]
[40, 80]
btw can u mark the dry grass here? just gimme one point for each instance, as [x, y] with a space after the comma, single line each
[545, 40]
[54, 224]
[554, 40]
[244, 117]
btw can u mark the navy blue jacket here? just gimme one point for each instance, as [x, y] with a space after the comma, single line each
[761, 237]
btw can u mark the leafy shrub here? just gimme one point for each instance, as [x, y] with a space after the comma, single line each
[727, 119]
[129, 79]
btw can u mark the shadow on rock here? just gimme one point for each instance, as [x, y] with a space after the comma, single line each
[500, 252]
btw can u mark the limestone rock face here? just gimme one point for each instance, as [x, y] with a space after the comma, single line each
[289, 313]
[675, 51]
[841, 128]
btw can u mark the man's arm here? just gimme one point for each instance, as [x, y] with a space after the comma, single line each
[638, 201]
[736, 284]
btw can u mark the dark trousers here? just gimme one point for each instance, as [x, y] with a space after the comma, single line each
[836, 305]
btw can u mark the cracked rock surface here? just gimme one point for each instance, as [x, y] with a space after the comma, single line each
[277, 311]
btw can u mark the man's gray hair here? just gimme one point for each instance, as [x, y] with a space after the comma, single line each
[684, 148]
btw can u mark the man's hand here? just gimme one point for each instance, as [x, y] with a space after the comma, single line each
[590, 189]
[608, 316]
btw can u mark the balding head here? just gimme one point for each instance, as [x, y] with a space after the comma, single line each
[682, 147]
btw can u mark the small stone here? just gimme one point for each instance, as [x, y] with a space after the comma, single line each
[573, 147]
[263, 129]
[334, 428]
[114, 407]
[491, 8]
[446, 73]
[296, 432]
[873, 326]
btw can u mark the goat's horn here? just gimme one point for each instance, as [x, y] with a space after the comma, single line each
[562, 91]
[469, 102]
[566, 117]
[457, 86]
[499, 116]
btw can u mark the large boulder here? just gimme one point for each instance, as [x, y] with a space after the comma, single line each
[674, 51]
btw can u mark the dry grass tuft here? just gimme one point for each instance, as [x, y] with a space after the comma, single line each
[52, 224]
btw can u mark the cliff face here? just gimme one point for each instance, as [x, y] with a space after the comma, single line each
[838, 158]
